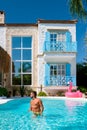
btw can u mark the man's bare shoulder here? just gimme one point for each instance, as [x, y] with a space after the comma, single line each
[38, 99]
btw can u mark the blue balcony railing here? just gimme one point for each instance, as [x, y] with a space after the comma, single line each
[60, 46]
[60, 80]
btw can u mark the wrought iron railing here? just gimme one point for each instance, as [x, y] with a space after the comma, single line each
[60, 80]
[60, 46]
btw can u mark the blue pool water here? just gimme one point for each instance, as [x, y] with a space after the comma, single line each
[57, 115]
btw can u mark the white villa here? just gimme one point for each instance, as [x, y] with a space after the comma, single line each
[41, 54]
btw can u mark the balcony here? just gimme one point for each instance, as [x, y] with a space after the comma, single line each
[60, 46]
[60, 80]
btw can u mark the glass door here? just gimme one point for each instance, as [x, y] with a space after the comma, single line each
[53, 41]
[57, 74]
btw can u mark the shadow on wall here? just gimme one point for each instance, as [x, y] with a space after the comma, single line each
[4, 66]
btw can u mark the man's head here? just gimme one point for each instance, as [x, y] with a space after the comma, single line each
[33, 94]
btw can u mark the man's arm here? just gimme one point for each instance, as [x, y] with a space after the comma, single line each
[41, 106]
[30, 109]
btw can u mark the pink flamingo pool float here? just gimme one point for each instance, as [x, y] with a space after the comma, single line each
[71, 94]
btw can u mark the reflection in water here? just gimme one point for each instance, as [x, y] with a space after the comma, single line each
[73, 106]
[70, 103]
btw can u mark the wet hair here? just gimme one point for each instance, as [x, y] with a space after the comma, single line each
[35, 93]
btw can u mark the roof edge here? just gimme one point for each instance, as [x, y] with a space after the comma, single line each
[58, 21]
[18, 24]
[40, 21]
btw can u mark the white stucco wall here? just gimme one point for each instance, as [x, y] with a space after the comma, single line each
[41, 70]
[73, 66]
[3, 37]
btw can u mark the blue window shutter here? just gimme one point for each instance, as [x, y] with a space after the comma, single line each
[68, 69]
[68, 40]
[47, 38]
[68, 36]
[47, 74]
[47, 41]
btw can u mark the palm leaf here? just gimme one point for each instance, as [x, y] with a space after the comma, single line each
[78, 8]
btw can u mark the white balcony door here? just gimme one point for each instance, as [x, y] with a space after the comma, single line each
[57, 41]
[57, 36]
[57, 72]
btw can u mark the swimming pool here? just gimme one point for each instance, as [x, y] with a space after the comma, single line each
[59, 114]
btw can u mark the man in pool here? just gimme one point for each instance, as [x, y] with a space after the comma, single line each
[36, 105]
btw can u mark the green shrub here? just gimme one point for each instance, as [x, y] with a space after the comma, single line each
[60, 93]
[3, 92]
[16, 90]
[42, 94]
[22, 91]
[25, 91]
[82, 89]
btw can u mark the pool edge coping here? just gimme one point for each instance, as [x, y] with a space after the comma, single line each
[5, 100]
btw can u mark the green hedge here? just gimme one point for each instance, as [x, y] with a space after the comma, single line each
[42, 94]
[3, 92]
[82, 89]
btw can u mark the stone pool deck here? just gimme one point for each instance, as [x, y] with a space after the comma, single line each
[5, 100]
